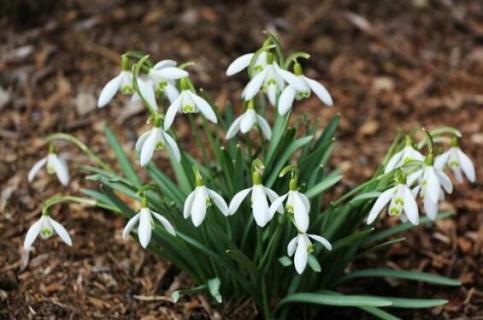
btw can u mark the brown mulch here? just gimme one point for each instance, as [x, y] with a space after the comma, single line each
[389, 65]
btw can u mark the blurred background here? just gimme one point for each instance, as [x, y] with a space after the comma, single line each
[388, 64]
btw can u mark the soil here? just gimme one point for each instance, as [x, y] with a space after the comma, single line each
[389, 66]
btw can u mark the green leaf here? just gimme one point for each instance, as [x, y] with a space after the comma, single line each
[247, 264]
[285, 261]
[323, 185]
[402, 274]
[214, 289]
[407, 303]
[122, 159]
[365, 196]
[381, 314]
[336, 300]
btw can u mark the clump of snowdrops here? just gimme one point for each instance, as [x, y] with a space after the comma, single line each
[247, 219]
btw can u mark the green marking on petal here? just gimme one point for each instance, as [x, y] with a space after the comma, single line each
[394, 211]
[399, 201]
[188, 108]
[127, 89]
[46, 233]
[50, 169]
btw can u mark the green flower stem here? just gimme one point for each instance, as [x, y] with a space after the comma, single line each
[61, 199]
[81, 146]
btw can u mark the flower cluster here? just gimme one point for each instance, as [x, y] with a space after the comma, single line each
[423, 176]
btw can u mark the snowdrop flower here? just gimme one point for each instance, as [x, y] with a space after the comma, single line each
[458, 162]
[55, 164]
[266, 79]
[146, 225]
[404, 156]
[188, 102]
[242, 62]
[164, 74]
[122, 82]
[200, 199]
[302, 247]
[259, 200]
[401, 203]
[299, 87]
[155, 139]
[247, 121]
[45, 227]
[432, 181]
[297, 205]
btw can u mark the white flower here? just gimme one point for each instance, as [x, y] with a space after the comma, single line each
[458, 162]
[259, 202]
[432, 181]
[55, 164]
[146, 225]
[404, 156]
[198, 202]
[266, 78]
[188, 102]
[122, 82]
[163, 74]
[402, 203]
[302, 247]
[297, 204]
[154, 139]
[246, 122]
[300, 87]
[243, 62]
[45, 227]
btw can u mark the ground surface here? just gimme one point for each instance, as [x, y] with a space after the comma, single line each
[387, 66]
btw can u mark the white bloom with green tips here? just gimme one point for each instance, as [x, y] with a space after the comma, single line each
[46, 227]
[55, 164]
[302, 247]
[199, 200]
[297, 205]
[406, 155]
[247, 121]
[401, 204]
[155, 139]
[458, 162]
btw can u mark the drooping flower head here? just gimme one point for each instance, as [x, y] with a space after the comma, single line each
[299, 87]
[188, 102]
[144, 220]
[46, 227]
[404, 157]
[303, 247]
[200, 199]
[260, 196]
[120, 83]
[457, 161]
[55, 164]
[248, 120]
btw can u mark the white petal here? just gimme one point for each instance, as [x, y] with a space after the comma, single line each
[149, 146]
[60, 230]
[171, 92]
[293, 80]
[109, 90]
[146, 87]
[413, 177]
[415, 191]
[260, 205]
[248, 120]
[198, 209]
[305, 201]
[301, 255]
[432, 187]
[204, 107]
[301, 215]
[410, 206]
[277, 205]
[272, 196]
[380, 203]
[440, 161]
[394, 162]
[431, 208]
[285, 101]
[321, 240]
[253, 87]
[129, 226]
[445, 181]
[60, 168]
[171, 113]
[467, 166]
[145, 227]
[234, 127]
[320, 91]
[272, 94]
[35, 169]
[172, 146]
[32, 233]
[238, 199]
[458, 175]
[171, 73]
[165, 63]
[188, 204]
[219, 202]
[141, 140]
[414, 154]
[292, 245]
[239, 64]
[166, 224]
